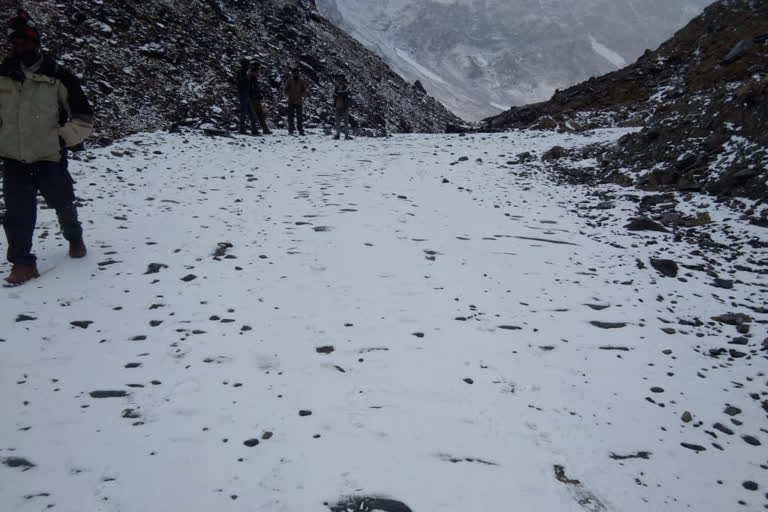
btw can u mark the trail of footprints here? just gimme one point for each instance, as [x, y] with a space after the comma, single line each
[732, 342]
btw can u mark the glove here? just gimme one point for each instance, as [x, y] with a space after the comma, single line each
[75, 132]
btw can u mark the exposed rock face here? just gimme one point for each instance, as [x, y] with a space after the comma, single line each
[703, 120]
[159, 64]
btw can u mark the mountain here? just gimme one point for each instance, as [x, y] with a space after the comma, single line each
[703, 116]
[163, 63]
[481, 56]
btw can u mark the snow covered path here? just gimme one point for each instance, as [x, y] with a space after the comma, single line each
[408, 318]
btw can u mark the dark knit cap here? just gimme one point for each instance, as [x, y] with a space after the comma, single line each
[22, 26]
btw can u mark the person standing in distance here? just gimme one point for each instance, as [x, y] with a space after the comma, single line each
[257, 95]
[295, 90]
[341, 104]
[43, 111]
[244, 98]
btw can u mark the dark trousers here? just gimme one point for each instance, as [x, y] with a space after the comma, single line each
[342, 119]
[296, 111]
[246, 113]
[21, 183]
[261, 115]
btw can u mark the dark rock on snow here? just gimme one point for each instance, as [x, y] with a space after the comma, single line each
[370, 505]
[154, 268]
[556, 153]
[752, 440]
[726, 284]
[667, 267]
[694, 447]
[722, 428]
[608, 325]
[733, 319]
[18, 462]
[638, 455]
[108, 394]
[750, 485]
[645, 224]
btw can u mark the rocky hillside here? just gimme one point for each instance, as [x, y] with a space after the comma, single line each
[703, 118]
[165, 63]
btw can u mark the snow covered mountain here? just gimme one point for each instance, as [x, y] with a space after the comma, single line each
[481, 56]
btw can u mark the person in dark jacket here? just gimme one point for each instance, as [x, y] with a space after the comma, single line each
[256, 95]
[295, 90]
[244, 98]
[43, 111]
[341, 104]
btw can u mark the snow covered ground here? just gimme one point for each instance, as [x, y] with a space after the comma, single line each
[416, 318]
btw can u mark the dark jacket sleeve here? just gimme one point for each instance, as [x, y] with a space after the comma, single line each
[254, 89]
[76, 114]
[241, 80]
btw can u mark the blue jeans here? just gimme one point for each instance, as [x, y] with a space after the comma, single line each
[246, 111]
[21, 183]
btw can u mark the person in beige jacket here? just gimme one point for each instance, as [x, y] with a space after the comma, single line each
[43, 111]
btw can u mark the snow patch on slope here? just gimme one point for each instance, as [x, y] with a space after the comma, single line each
[608, 54]
[418, 67]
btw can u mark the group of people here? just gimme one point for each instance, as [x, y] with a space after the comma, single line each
[251, 95]
[44, 112]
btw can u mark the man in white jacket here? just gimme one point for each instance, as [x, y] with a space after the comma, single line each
[43, 111]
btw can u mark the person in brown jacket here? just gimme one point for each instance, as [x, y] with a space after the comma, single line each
[295, 90]
[341, 104]
[256, 95]
[43, 111]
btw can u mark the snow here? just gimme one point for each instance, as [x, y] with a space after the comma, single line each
[361, 246]
[501, 50]
[661, 93]
[500, 107]
[738, 147]
[418, 67]
[608, 54]
[102, 27]
[151, 47]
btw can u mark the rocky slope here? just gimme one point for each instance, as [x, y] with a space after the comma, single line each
[703, 120]
[481, 56]
[159, 64]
